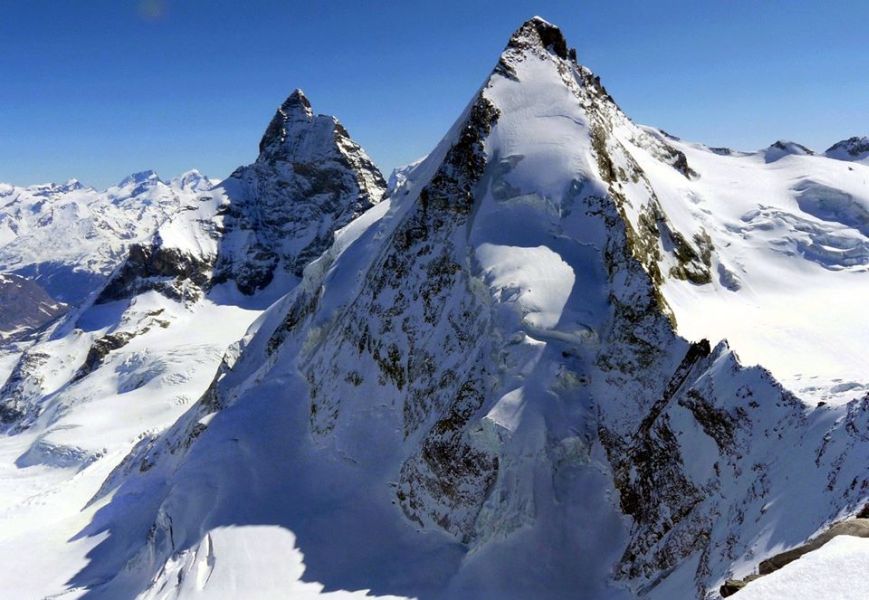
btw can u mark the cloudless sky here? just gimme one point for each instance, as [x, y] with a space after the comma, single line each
[97, 89]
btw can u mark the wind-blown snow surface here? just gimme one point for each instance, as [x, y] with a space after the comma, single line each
[477, 390]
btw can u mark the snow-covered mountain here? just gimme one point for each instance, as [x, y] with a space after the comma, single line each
[854, 149]
[509, 378]
[69, 237]
[129, 361]
[59, 244]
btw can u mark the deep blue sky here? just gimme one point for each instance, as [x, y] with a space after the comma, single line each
[96, 89]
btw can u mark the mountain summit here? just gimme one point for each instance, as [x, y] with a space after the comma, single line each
[539, 32]
[478, 384]
[295, 109]
[853, 149]
[268, 219]
[230, 251]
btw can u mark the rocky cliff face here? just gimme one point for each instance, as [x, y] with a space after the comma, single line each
[267, 220]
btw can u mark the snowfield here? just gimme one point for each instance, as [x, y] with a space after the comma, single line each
[836, 571]
[561, 356]
[792, 237]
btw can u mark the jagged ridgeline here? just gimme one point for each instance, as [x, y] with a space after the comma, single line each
[240, 244]
[474, 388]
[275, 215]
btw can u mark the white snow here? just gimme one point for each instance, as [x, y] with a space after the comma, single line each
[802, 272]
[835, 571]
[536, 279]
[253, 561]
[70, 237]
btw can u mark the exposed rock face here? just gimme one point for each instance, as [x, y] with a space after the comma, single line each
[310, 179]
[854, 148]
[172, 272]
[267, 220]
[23, 383]
[537, 36]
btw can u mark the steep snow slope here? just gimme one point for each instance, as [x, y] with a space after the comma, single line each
[478, 389]
[131, 360]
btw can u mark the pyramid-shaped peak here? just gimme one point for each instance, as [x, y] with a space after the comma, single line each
[294, 110]
[297, 105]
[540, 33]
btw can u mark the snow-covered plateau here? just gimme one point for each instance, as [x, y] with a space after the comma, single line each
[562, 356]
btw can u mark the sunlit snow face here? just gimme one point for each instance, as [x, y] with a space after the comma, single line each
[535, 279]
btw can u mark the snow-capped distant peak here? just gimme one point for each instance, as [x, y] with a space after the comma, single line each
[73, 184]
[782, 148]
[139, 178]
[853, 149]
[54, 188]
[192, 180]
